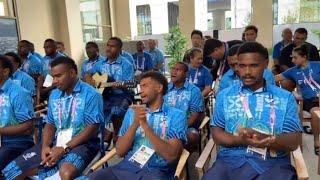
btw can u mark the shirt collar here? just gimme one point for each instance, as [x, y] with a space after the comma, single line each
[117, 61]
[172, 86]
[264, 88]
[76, 89]
[163, 109]
[29, 55]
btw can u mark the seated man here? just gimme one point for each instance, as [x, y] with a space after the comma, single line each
[151, 138]
[19, 77]
[117, 99]
[305, 74]
[231, 76]
[92, 50]
[255, 123]
[16, 115]
[187, 97]
[70, 137]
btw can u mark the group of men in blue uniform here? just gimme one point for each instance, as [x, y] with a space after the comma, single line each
[255, 123]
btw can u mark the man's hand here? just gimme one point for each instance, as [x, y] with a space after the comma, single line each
[140, 116]
[55, 155]
[255, 138]
[44, 154]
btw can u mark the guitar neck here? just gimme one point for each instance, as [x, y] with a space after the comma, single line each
[107, 84]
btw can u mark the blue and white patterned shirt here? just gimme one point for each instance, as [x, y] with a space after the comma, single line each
[201, 77]
[87, 65]
[231, 115]
[81, 108]
[46, 60]
[32, 65]
[168, 123]
[16, 107]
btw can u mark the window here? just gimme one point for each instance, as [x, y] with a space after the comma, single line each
[9, 35]
[296, 11]
[173, 14]
[227, 14]
[144, 20]
[95, 19]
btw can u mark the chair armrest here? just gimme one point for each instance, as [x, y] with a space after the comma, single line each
[300, 164]
[205, 154]
[182, 162]
[103, 160]
[205, 120]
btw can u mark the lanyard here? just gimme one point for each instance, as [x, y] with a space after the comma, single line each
[195, 79]
[310, 81]
[220, 70]
[71, 111]
[141, 67]
[272, 118]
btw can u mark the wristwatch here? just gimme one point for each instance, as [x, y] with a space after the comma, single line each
[66, 148]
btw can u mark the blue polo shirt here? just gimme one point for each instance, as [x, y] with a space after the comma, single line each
[128, 56]
[16, 107]
[277, 50]
[230, 115]
[46, 63]
[142, 62]
[187, 98]
[87, 65]
[157, 57]
[297, 74]
[201, 77]
[230, 78]
[81, 108]
[32, 65]
[174, 121]
[24, 80]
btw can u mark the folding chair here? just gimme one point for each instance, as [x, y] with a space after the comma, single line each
[202, 164]
[180, 173]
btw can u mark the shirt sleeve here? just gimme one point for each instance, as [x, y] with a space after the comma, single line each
[149, 62]
[94, 110]
[291, 120]
[197, 102]
[269, 76]
[289, 74]
[276, 51]
[218, 119]
[127, 121]
[23, 106]
[178, 127]
[95, 68]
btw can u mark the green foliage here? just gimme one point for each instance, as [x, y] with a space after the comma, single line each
[175, 45]
[317, 32]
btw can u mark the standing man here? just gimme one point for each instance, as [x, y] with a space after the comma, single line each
[92, 51]
[197, 42]
[70, 137]
[151, 137]
[256, 124]
[60, 48]
[299, 38]
[250, 33]
[118, 99]
[157, 55]
[16, 113]
[142, 59]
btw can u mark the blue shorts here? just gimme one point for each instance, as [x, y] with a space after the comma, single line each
[125, 170]
[116, 106]
[80, 157]
[221, 170]
[10, 152]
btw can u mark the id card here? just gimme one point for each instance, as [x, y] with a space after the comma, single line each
[262, 152]
[142, 155]
[64, 137]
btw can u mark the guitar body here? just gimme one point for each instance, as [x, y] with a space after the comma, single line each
[105, 84]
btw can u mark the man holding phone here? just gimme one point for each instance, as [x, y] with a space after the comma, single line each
[255, 123]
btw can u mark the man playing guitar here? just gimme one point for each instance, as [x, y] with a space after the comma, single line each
[117, 68]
